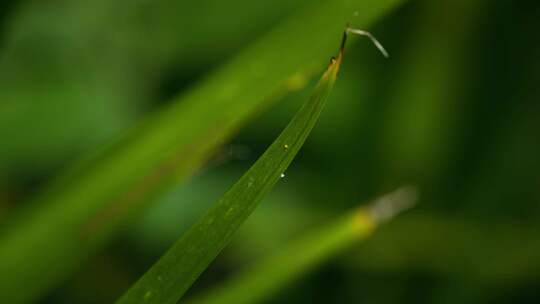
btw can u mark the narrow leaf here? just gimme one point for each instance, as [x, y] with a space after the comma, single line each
[176, 271]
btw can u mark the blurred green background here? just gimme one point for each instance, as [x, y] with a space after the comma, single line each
[454, 111]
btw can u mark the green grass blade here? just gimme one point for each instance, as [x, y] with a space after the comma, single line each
[258, 282]
[86, 208]
[176, 271]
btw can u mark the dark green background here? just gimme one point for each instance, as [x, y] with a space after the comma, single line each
[454, 111]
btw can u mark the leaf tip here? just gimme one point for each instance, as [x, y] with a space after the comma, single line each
[388, 206]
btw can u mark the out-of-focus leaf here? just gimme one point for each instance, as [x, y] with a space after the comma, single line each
[425, 103]
[77, 67]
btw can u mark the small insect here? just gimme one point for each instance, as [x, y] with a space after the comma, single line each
[286, 146]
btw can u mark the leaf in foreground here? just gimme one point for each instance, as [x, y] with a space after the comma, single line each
[176, 271]
[260, 281]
